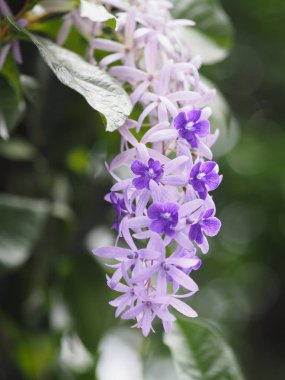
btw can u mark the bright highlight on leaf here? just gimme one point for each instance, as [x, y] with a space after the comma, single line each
[99, 89]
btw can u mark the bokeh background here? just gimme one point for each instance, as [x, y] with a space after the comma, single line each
[53, 298]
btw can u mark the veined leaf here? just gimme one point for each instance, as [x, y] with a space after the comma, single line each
[200, 352]
[21, 223]
[99, 89]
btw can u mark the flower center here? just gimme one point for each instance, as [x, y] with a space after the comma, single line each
[201, 175]
[165, 267]
[190, 126]
[151, 173]
[166, 215]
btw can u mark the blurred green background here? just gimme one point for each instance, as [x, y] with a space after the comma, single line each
[51, 288]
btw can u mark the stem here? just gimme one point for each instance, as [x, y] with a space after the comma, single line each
[25, 8]
[4, 31]
[23, 14]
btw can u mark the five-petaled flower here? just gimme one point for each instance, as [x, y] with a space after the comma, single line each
[152, 171]
[204, 177]
[207, 225]
[164, 217]
[191, 127]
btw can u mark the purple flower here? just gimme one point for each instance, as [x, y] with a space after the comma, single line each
[120, 208]
[153, 171]
[146, 309]
[204, 177]
[164, 216]
[170, 268]
[190, 127]
[207, 224]
[181, 253]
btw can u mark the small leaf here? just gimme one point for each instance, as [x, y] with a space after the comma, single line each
[97, 13]
[200, 352]
[21, 223]
[99, 89]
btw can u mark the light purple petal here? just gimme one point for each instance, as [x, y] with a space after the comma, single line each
[164, 314]
[183, 308]
[191, 207]
[146, 274]
[138, 222]
[182, 279]
[149, 254]
[184, 241]
[111, 252]
[133, 312]
[156, 244]
[146, 322]
[164, 135]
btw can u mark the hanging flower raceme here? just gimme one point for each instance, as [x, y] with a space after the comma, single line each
[164, 174]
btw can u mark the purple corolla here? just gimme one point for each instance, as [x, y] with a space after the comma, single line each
[204, 178]
[120, 208]
[164, 217]
[152, 171]
[190, 126]
[206, 225]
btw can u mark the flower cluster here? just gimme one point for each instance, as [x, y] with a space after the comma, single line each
[164, 172]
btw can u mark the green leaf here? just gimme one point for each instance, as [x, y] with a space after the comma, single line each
[30, 88]
[99, 89]
[212, 36]
[200, 352]
[11, 108]
[21, 224]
